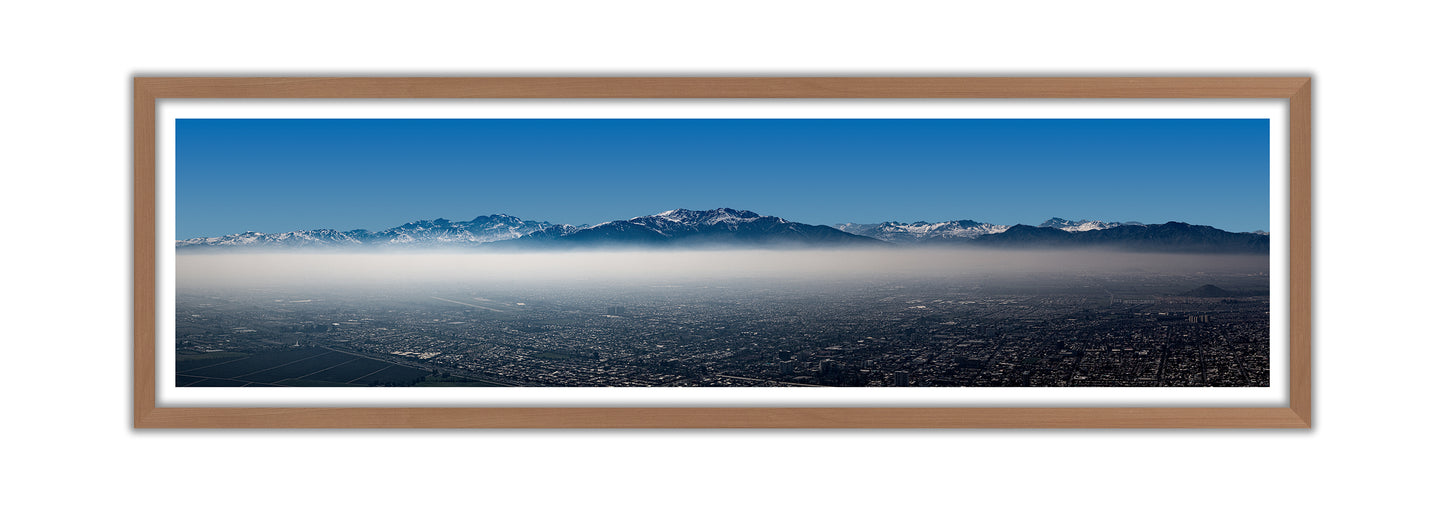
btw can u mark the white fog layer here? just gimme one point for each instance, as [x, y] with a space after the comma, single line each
[340, 269]
[742, 318]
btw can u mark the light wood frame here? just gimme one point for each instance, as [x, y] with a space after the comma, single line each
[150, 89]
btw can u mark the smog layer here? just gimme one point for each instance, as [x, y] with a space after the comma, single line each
[946, 317]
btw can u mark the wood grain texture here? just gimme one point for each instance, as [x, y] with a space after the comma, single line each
[721, 87]
[1301, 271]
[147, 90]
[143, 277]
[840, 418]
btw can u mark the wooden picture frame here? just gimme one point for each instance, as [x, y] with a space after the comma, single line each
[148, 90]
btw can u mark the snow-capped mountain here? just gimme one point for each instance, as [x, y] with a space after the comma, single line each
[482, 229]
[725, 228]
[438, 232]
[722, 226]
[299, 238]
[921, 231]
[553, 231]
[684, 221]
[1171, 237]
[1083, 225]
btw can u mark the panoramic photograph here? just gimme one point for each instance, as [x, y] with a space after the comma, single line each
[790, 253]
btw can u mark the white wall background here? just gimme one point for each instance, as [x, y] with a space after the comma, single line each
[66, 206]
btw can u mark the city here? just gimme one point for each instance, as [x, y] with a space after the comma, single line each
[1023, 330]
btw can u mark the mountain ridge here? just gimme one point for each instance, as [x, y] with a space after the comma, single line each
[482, 229]
[721, 226]
[728, 227]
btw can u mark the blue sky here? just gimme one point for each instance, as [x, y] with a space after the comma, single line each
[265, 175]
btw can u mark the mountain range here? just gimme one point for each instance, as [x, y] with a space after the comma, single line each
[438, 232]
[684, 227]
[1171, 237]
[921, 231]
[1083, 225]
[725, 227]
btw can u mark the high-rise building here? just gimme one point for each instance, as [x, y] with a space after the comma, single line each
[829, 367]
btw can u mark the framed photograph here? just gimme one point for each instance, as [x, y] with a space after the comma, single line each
[722, 252]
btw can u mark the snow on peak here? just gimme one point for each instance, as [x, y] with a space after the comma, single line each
[710, 217]
[1081, 225]
[483, 229]
[893, 231]
[674, 215]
